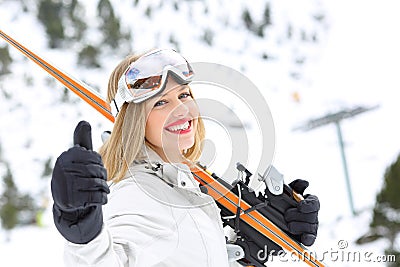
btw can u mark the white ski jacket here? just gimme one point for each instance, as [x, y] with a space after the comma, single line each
[155, 218]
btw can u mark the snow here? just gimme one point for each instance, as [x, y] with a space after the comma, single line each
[355, 63]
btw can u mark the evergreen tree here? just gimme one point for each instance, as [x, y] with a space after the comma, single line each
[208, 36]
[386, 214]
[248, 21]
[266, 21]
[267, 15]
[88, 56]
[5, 60]
[257, 27]
[75, 13]
[48, 168]
[50, 14]
[110, 24]
[15, 208]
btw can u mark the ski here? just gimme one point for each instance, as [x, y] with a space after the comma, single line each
[261, 222]
[83, 90]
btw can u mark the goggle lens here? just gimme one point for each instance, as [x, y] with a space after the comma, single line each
[147, 83]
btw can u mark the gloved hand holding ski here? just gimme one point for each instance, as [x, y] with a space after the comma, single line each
[302, 220]
[287, 208]
[79, 189]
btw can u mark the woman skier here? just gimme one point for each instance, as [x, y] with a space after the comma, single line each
[152, 211]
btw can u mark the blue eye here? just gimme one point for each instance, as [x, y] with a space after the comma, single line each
[184, 95]
[160, 103]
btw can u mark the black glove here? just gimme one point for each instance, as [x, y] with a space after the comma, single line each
[79, 189]
[302, 220]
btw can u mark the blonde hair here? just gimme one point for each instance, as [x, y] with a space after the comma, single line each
[127, 138]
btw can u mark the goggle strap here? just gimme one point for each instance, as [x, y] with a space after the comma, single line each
[116, 104]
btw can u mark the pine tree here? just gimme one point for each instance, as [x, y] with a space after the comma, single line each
[257, 27]
[15, 208]
[386, 214]
[8, 209]
[266, 21]
[75, 13]
[248, 21]
[208, 36]
[110, 24]
[267, 15]
[48, 168]
[88, 56]
[50, 14]
[5, 60]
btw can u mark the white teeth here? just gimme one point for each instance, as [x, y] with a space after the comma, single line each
[179, 127]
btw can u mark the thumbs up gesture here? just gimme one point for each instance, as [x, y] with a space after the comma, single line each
[79, 189]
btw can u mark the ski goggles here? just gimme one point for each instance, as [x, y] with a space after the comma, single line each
[147, 77]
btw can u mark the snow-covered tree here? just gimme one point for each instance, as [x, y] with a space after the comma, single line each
[386, 214]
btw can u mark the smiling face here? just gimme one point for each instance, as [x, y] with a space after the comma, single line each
[172, 121]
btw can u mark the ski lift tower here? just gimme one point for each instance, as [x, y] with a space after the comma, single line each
[336, 118]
